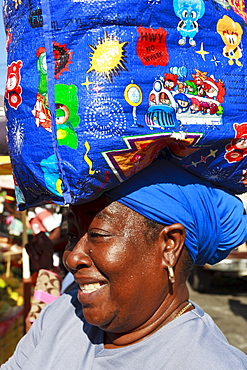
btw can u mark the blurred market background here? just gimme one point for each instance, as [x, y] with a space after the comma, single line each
[221, 292]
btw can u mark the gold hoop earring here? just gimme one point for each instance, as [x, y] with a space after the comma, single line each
[171, 275]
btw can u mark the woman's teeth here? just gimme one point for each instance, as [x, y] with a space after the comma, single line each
[89, 288]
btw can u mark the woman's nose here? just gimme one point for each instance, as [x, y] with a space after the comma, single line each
[77, 258]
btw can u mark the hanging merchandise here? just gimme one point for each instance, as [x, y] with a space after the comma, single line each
[96, 89]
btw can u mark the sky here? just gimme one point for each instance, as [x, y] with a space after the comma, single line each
[3, 62]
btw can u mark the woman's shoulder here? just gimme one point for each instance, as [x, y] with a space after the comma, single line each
[203, 345]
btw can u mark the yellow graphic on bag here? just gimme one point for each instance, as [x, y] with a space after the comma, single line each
[108, 57]
[87, 159]
[231, 34]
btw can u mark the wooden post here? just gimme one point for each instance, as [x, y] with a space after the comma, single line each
[26, 276]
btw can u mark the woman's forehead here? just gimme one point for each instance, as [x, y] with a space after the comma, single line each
[103, 208]
[105, 215]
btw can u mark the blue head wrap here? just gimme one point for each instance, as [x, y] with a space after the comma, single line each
[215, 221]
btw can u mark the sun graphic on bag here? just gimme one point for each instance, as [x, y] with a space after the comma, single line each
[108, 57]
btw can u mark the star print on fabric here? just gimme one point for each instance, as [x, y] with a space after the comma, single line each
[213, 152]
[87, 83]
[215, 60]
[202, 52]
[203, 159]
[97, 88]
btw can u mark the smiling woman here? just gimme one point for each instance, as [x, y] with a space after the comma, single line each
[117, 280]
[130, 252]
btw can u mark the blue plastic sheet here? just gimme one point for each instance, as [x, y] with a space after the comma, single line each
[96, 89]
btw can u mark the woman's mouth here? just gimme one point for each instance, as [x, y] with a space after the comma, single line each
[87, 293]
[89, 288]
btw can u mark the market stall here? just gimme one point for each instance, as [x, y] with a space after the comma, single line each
[12, 286]
[11, 297]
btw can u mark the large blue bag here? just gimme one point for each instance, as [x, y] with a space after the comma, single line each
[96, 89]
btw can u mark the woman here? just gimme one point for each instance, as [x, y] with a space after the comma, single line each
[130, 253]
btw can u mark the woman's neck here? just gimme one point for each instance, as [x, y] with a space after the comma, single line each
[168, 310]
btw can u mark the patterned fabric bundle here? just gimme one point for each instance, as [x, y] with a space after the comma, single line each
[47, 289]
[96, 89]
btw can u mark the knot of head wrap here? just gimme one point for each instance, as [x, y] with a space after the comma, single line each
[215, 221]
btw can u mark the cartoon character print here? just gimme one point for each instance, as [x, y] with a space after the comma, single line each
[62, 58]
[189, 11]
[66, 102]
[152, 99]
[204, 107]
[175, 99]
[207, 86]
[231, 34]
[237, 149]
[13, 89]
[195, 106]
[42, 113]
[164, 99]
[170, 81]
[213, 108]
[191, 87]
[42, 69]
[181, 86]
[66, 114]
[214, 89]
[199, 77]
[41, 109]
[183, 102]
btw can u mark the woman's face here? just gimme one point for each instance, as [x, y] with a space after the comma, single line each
[120, 276]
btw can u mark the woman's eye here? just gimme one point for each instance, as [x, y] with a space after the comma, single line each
[101, 234]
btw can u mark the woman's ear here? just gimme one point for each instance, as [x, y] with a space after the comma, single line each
[172, 242]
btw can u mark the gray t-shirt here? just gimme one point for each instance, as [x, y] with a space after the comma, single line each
[60, 339]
